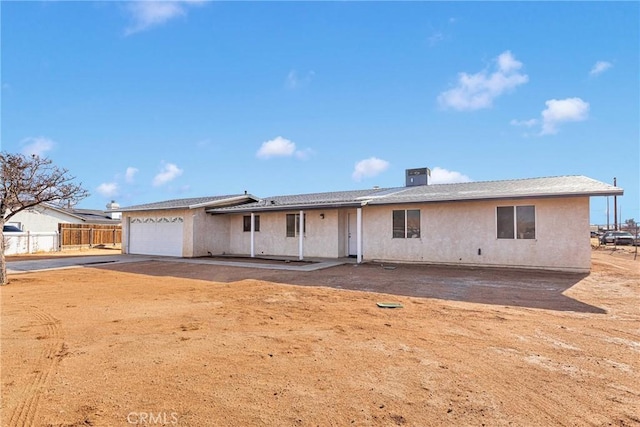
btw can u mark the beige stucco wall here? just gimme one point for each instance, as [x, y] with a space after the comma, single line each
[210, 234]
[322, 238]
[452, 233]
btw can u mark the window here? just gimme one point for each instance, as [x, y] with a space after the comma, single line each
[398, 225]
[406, 224]
[526, 222]
[293, 224]
[246, 222]
[505, 222]
[516, 222]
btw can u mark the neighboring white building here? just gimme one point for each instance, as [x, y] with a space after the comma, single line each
[45, 218]
[41, 227]
[540, 223]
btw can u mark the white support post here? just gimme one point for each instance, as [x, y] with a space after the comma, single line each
[127, 236]
[253, 234]
[359, 235]
[301, 237]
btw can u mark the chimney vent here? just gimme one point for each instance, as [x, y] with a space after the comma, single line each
[416, 177]
[110, 210]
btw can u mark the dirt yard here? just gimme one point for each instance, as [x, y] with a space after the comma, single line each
[164, 343]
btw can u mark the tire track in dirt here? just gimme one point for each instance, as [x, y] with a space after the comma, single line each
[54, 350]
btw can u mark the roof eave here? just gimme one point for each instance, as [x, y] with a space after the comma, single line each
[501, 197]
[223, 202]
[62, 211]
[211, 203]
[282, 208]
[172, 208]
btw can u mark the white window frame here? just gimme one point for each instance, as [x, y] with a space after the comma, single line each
[516, 235]
[296, 226]
[406, 223]
[256, 223]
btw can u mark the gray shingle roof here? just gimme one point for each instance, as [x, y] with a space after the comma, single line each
[90, 216]
[300, 201]
[518, 188]
[93, 216]
[487, 190]
[188, 203]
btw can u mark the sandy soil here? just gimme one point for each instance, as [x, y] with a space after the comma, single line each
[193, 345]
[95, 251]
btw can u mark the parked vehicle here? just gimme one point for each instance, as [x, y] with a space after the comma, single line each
[10, 229]
[617, 238]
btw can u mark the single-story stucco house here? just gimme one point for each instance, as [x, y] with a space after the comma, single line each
[540, 223]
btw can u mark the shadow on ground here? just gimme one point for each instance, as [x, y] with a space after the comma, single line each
[505, 287]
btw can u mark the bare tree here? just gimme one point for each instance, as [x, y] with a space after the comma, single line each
[28, 181]
[630, 225]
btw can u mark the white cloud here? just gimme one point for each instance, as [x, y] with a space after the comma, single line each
[526, 123]
[444, 176]
[477, 91]
[168, 173]
[277, 147]
[130, 174]
[563, 110]
[369, 168]
[282, 147]
[108, 189]
[37, 146]
[295, 81]
[600, 67]
[149, 14]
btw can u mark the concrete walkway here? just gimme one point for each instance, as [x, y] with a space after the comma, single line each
[16, 267]
[58, 263]
[311, 266]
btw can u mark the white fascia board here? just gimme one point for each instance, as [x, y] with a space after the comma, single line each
[511, 196]
[223, 202]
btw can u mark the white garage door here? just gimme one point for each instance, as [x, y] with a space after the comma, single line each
[156, 236]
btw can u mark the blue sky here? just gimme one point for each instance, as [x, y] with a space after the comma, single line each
[151, 101]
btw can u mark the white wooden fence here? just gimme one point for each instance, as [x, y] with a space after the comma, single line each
[31, 242]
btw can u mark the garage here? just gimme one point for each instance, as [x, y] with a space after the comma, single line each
[156, 236]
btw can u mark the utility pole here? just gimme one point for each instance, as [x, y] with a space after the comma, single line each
[615, 207]
[620, 218]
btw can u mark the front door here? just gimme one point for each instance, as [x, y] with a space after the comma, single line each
[352, 234]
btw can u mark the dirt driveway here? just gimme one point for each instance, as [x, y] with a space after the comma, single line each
[191, 345]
